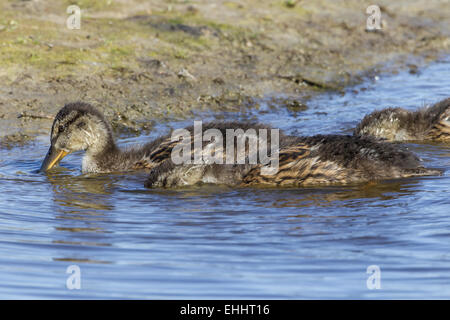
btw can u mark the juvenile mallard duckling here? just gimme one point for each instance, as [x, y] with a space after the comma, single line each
[397, 124]
[304, 161]
[79, 126]
[323, 159]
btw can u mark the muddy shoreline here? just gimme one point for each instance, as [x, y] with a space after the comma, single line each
[143, 62]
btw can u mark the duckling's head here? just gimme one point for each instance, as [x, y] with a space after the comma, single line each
[78, 126]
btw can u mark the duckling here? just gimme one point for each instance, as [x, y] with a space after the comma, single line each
[322, 159]
[304, 161]
[397, 124]
[79, 126]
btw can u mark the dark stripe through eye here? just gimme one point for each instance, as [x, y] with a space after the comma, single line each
[73, 120]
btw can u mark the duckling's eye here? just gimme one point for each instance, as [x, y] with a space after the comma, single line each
[60, 128]
[81, 124]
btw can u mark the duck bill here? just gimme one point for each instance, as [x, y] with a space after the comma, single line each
[52, 158]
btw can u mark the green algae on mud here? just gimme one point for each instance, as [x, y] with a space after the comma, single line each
[142, 62]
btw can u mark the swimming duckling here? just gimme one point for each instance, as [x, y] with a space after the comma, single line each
[322, 159]
[397, 124]
[79, 126]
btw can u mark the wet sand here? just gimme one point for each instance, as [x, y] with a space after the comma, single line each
[143, 62]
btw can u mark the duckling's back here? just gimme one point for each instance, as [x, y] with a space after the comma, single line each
[316, 160]
[396, 124]
[337, 159]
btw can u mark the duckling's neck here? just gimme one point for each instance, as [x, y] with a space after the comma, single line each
[101, 158]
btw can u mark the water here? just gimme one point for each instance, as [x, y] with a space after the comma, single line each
[219, 242]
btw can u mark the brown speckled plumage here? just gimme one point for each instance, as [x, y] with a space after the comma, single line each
[337, 159]
[397, 124]
[321, 159]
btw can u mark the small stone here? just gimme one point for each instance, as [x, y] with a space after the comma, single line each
[218, 81]
[186, 74]
[191, 9]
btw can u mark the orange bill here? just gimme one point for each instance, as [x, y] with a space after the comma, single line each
[52, 158]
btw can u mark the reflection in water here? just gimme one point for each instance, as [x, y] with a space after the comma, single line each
[83, 203]
[75, 194]
[73, 260]
[331, 196]
[328, 196]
